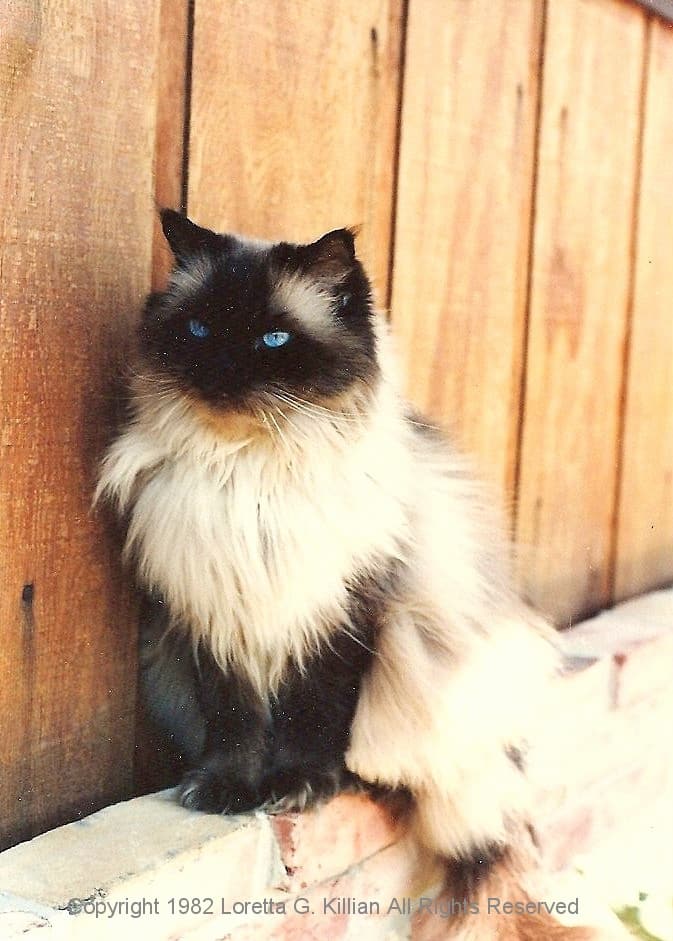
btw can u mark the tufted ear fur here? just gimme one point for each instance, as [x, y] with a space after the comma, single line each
[187, 239]
[332, 256]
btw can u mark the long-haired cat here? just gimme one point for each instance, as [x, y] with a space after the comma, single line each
[330, 600]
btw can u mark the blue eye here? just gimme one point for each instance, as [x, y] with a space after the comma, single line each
[275, 339]
[198, 329]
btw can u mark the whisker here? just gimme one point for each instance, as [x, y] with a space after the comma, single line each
[316, 411]
[295, 428]
[283, 439]
[320, 409]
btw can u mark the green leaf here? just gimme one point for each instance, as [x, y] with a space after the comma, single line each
[629, 916]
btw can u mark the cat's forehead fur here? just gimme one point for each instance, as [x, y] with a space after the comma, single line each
[306, 300]
[250, 273]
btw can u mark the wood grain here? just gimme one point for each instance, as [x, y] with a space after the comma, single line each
[588, 152]
[645, 520]
[172, 106]
[76, 144]
[463, 216]
[294, 120]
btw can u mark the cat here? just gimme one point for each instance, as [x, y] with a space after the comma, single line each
[330, 603]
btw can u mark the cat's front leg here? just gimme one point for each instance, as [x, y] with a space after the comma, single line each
[229, 777]
[311, 715]
[221, 785]
[302, 788]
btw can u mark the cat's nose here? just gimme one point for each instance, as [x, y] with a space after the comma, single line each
[225, 362]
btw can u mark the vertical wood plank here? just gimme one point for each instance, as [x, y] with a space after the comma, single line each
[153, 769]
[587, 168]
[76, 144]
[294, 120]
[171, 108]
[645, 520]
[463, 216]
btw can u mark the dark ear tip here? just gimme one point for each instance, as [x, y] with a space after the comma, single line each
[333, 255]
[349, 241]
[168, 218]
[184, 236]
[346, 237]
[339, 242]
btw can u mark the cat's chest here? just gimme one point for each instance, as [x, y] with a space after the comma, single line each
[259, 546]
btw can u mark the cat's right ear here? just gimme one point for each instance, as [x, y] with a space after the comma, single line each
[185, 238]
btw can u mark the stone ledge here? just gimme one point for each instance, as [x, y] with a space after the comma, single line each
[151, 848]
[606, 751]
[132, 840]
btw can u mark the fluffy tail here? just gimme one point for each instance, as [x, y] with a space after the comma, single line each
[487, 898]
[497, 894]
[484, 899]
[446, 727]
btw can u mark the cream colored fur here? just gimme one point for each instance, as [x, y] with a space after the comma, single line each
[251, 531]
[307, 302]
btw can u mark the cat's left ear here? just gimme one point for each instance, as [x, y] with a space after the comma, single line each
[185, 238]
[332, 256]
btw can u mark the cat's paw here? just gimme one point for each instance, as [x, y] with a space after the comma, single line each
[205, 790]
[296, 791]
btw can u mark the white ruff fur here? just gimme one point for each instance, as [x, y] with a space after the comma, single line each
[253, 536]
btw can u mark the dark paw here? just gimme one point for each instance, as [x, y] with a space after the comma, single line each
[296, 791]
[205, 790]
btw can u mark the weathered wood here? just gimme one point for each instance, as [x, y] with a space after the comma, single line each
[645, 520]
[76, 144]
[153, 769]
[294, 120]
[463, 216]
[294, 124]
[587, 169]
[172, 106]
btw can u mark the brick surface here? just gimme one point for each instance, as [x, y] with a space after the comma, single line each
[645, 674]
[619, 766]
[637, 637]
[606, 749]
[579, 709]
[622, 628]
[329, 910]
[351, 826]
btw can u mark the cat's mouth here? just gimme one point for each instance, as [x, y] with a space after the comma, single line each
[282, 416]
[286, 417]
[235, 423]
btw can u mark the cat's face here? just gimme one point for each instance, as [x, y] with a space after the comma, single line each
[241, 321]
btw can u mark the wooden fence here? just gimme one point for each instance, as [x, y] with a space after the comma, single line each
[510, 164]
